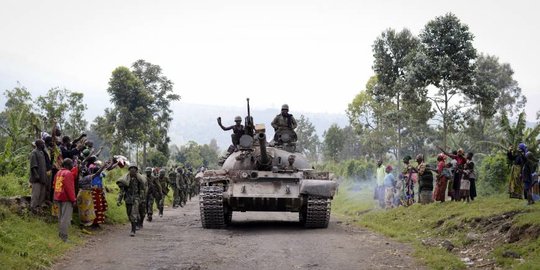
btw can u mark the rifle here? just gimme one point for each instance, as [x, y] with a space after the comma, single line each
[249, 121]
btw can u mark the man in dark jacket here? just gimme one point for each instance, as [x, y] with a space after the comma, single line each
[38, 175]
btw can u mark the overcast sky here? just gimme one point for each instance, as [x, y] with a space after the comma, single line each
[314, 55]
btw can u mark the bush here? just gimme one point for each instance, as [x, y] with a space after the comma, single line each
[12, 185]
[358, 170]
[492, 174]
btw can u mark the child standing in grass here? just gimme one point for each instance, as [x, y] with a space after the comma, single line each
[468, 175]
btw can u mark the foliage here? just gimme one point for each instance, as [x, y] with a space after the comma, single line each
[161, 88]
[308, 142]
[493, 174]
[494, 90]
[14, 185]
[29, 242]
[156, 159]
[132, 106]
[66, 108]
[333, 142]
[446, 61]
[513, 134]
[366, 116]
[439, 221]
[196, 155]
[353, 170]
[18, 125]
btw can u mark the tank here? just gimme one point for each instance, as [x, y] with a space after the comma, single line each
[262, 176]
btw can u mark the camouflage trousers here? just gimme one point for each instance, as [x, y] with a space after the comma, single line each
[177, 194]
[132, 210]
[150, 203]
[142, 210]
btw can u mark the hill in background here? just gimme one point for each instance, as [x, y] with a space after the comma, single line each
[195, 122]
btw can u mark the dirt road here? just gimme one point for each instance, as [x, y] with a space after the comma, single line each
[254, 240]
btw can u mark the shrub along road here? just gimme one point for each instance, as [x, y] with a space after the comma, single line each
[254, 240]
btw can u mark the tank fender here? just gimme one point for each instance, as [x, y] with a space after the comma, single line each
[320, 188]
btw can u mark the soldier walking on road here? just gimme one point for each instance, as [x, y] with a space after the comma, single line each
[154, 193]
[131, 191]
[173, 174]
[164, 183]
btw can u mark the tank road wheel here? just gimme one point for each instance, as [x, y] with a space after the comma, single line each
[211, 207]
[317, 212]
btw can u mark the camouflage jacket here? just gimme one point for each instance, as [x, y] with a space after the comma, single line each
[280, 122]
[132, 189]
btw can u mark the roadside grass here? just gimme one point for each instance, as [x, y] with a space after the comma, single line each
[30, 242]
[12, 185]
[418, 223]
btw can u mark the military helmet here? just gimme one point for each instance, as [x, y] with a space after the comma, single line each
[237, 118]
[285, 107]
[162, 172]
[133, 165]
[148, 169]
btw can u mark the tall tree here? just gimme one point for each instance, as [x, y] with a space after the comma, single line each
[446, 61]
[333, 143]
[64, 106]
[308, 140]
[393, 53]
[368, 116]
[133, 106]
[494, 90]
[161, 88]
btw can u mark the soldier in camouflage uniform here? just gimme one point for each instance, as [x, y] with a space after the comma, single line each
[181, 185]
[173, 183]
[131, 192]
[284, 123]
[164, 183]
[154, 193]
[143, 204]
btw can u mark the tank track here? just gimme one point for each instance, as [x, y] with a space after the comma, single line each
[211, 207]
[317, 212]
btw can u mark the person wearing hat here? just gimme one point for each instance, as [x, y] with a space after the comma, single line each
[132, 191]
[389, 185]
[154, 193]
[237, 128]
[284, 123]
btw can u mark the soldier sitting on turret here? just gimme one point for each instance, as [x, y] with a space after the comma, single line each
[238, 129]
[284, 125]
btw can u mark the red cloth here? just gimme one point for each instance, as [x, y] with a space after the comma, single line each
[440, 187]
[64, 186]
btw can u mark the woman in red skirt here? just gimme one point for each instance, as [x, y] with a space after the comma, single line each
[442, 172]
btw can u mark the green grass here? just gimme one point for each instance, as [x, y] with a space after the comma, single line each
[29, 242]
[11, 185]
[441, 221]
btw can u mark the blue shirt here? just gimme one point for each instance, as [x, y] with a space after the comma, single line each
[389, 180]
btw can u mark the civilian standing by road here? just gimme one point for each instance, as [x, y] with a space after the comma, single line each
[38, 175]
[64, 197]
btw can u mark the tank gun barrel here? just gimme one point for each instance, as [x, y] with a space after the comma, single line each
[264, 160]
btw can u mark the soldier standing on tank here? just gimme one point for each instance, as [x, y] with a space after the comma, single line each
[283, 122]
[164, 183]
[131, 192]
[154, 193]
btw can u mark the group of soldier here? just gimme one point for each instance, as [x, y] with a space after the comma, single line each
[141, 192]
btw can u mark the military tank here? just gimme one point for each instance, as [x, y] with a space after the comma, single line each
[262, 176]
